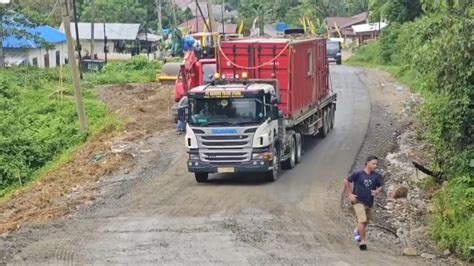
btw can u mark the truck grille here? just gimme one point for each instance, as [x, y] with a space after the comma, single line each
[219, 157]
[224, 143]
[240, 137]
[225, 149]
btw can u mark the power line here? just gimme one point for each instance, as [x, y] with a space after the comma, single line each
[54, 9]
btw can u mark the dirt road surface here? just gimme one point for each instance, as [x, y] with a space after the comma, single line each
[155, 213]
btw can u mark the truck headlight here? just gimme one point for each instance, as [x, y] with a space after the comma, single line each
[193, 156]
[338, 54]
[267, 156]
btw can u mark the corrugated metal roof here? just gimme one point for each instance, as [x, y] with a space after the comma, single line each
[48, 33]
[114, 31]
[343, 22]
[148, 37]
[191, 25]
[369, 27]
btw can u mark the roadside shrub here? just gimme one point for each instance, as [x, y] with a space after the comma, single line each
[138, 69]
[454, 219]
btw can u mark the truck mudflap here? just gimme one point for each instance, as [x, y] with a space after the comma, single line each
[252, 166]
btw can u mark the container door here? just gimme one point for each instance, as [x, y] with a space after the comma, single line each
[273, 63]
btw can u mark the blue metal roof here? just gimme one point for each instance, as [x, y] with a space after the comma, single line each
[49, 34]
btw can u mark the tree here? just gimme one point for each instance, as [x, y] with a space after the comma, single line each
[133, 11]
[395, 10]
[458, 7]
[251, 9]
[125, 11]
[43, 11]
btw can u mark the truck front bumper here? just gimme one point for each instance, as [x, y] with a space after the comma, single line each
[252, 166]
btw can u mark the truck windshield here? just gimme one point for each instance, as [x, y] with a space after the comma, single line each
[332, 45]
[226, 112]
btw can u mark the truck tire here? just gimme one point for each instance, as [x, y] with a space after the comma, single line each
[338, 62]
[272, 175]
[332, 116]
[201, 177]
[324, 130]
[299, 147]
[291, 161]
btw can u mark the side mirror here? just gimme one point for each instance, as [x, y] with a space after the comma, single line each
[274, 100]
[275, 112]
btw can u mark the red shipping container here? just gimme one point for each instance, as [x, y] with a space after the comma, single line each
[299, 65]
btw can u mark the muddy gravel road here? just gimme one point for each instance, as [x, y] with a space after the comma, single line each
[155, 213]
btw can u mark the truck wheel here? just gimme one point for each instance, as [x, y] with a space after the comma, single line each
[272, 175]
[338, 62]
[290, 162]
[325, 128]
[332, 116]
[201, 177]
[299, 147]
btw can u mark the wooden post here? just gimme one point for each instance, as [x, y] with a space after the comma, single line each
[75, 71]
[92, 28]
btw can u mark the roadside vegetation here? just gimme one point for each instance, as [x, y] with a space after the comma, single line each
[433, 54]
[39, 124]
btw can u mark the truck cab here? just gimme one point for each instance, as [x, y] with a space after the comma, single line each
[233, 128]
[334, 51]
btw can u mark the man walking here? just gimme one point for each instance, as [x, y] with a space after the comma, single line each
[361, 187]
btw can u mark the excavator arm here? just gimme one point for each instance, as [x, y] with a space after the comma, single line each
[188, 76]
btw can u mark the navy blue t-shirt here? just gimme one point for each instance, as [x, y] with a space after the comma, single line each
[363, 185]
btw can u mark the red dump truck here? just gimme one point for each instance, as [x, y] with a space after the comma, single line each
[267, 95]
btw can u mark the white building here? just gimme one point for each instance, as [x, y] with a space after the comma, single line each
[27, 52]
[123, 39]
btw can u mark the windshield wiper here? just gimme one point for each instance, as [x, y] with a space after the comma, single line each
[221, 123]
[245, 123]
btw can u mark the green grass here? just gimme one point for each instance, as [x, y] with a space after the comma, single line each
[39, 128]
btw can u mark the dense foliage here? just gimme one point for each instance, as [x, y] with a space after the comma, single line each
[123, 11]
[434, 54]
[39, 120]
[291, 11]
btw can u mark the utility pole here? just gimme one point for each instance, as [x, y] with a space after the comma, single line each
[158, 14]
[92, 27]
[223, 22]
[106, 49]
[72, 60]
[210, 15]
[79, 48]
[160, 25]
[147, 43]
[2, 53]
[174, 16]
[196, 17]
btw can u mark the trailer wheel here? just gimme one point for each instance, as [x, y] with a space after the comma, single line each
[272, 175]
[201, 177]
[299, 147]
[332, 116]
[325, 128]
[291, 162]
